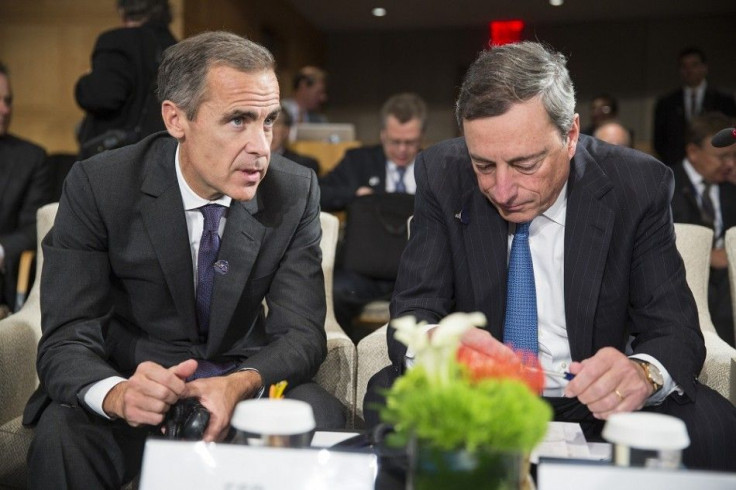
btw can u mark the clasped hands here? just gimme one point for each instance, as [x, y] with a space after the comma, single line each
[607, 383]
[148, 394]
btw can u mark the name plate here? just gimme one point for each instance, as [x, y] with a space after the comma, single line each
[196, 465]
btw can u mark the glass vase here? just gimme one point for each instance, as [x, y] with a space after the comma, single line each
[486, 468]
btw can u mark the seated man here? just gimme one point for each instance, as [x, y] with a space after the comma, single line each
[585, 229]
[704, 196]
[384, 168]
[25, 185]
[140, 310]
[310, 93]
[281, 129]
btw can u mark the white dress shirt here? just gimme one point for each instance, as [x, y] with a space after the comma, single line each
[392, 178]
[715, 197]
[95, 395]
[699, 92]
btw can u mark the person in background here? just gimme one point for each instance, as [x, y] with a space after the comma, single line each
[614, 133]
[603, 108]
[157, 268]
[25, 185]
[673, 112]
[310, 93]
[704, 196]
[281, 129]
[118, 92]
[567, 246]
[384, 168]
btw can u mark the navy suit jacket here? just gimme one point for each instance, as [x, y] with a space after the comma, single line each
[623, 274]
[118, 282]
[25, 185]
[670, 122]
[360, 167]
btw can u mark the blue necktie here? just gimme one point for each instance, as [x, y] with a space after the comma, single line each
[520, 325]
[209, 246]
[400, 185]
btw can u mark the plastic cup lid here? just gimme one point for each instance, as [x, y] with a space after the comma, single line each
[273, 417]
[650, 431]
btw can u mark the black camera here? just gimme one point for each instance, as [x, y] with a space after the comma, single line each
[186, 420]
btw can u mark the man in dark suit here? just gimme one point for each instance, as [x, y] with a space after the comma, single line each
[601, 264]
[379, 169]
[140, 310]
[281, 129]
[118, 92]
[703, 196]
[673, 112]
[25, 185]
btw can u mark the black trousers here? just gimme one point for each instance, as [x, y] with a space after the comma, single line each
[352, 291]
[76, 449]
[710, 421]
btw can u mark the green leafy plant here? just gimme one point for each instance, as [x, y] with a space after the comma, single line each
[445, 403]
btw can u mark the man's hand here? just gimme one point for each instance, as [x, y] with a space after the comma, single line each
[145, 398]
[609, 382]
[219, 395]
[718, 258]
[363, 191]
[482, 341]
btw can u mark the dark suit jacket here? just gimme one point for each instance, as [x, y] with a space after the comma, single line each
[623, 274]
[670, 122]
[359, 167]
[118, 286]
[302, 160]
[115, 92]
[25, 185]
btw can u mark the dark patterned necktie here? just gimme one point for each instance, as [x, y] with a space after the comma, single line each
[707, 211]
[520, 324]
[400, 185]
[209, 246]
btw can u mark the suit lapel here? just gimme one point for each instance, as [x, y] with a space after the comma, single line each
[588, 230]
[163, 214]
[486, 243]
[240, 246]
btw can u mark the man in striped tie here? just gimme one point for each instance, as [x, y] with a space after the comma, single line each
[567, 246]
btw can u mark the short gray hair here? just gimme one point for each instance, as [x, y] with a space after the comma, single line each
[515, 73]
[182, 76]
[404, 107]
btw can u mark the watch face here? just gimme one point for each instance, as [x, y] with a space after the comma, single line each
[655, 375]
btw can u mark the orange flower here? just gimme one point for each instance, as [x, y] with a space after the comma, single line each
[521, 365]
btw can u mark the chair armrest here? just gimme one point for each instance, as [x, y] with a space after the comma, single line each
[23, 285]
[337, 372]
[716, 371]
[372, 357]
[18, 379]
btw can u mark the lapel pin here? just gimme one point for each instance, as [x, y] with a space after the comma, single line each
[222, 266]
[374, 181]
[462, 217]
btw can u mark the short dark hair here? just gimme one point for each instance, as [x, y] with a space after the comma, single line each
[404, 107]
[182, 76]
[4, 69]
[285, 117]
[513, 74]
[146, 10]
[690, 51]
[610, 102]
[706, 125]
[308, 76]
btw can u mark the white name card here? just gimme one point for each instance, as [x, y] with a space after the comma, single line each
[197, 465]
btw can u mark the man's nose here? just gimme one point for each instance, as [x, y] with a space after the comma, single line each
[258, 143]
[503, 187]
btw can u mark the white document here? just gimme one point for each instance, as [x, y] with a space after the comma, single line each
[197, 465]
[566, 440]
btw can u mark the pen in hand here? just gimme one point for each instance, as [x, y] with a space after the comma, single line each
[565, 375]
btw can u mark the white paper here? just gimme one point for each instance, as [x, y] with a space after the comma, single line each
[566, 440]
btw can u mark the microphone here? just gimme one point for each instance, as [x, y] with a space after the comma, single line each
[724, 137]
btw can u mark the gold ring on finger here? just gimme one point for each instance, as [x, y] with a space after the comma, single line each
[618, 394]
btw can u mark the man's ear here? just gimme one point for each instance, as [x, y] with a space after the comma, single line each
[174, 118]
[692, 152]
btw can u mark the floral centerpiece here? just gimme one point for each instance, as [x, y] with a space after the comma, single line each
[471, 412]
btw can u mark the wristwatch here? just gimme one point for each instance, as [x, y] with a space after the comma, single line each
[652, 373]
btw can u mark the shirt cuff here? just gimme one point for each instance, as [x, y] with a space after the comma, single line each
[2, 259]
[94, 395]
[409, 356]
[263, 388]
[669, 385]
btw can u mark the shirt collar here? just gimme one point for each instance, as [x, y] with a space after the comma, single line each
[189, 197]
[392, 166]
[557, 212]
[692, 174]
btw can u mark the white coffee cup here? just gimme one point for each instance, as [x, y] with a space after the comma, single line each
[646, 439]
[273, 422]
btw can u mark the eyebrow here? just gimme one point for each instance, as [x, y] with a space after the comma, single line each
[249, 115]
[513, 161]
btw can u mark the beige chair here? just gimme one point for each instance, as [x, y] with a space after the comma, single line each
[730, 246]
[694, 243]
[19, 336]
[372, 357]
[20, 333]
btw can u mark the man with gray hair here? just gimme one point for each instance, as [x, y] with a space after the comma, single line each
[157, 266]
[567, 246]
